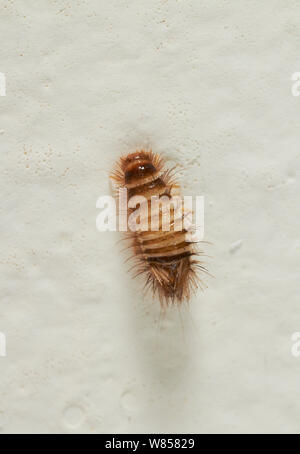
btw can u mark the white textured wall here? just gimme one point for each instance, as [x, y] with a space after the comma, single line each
[209, 84]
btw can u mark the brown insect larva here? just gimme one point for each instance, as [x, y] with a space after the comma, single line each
[166, 258]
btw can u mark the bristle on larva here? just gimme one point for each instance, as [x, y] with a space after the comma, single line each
[169, 263]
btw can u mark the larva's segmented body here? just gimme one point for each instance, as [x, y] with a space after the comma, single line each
[166, 258]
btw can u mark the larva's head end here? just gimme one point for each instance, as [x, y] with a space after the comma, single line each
[139, 155]
[140, 167]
